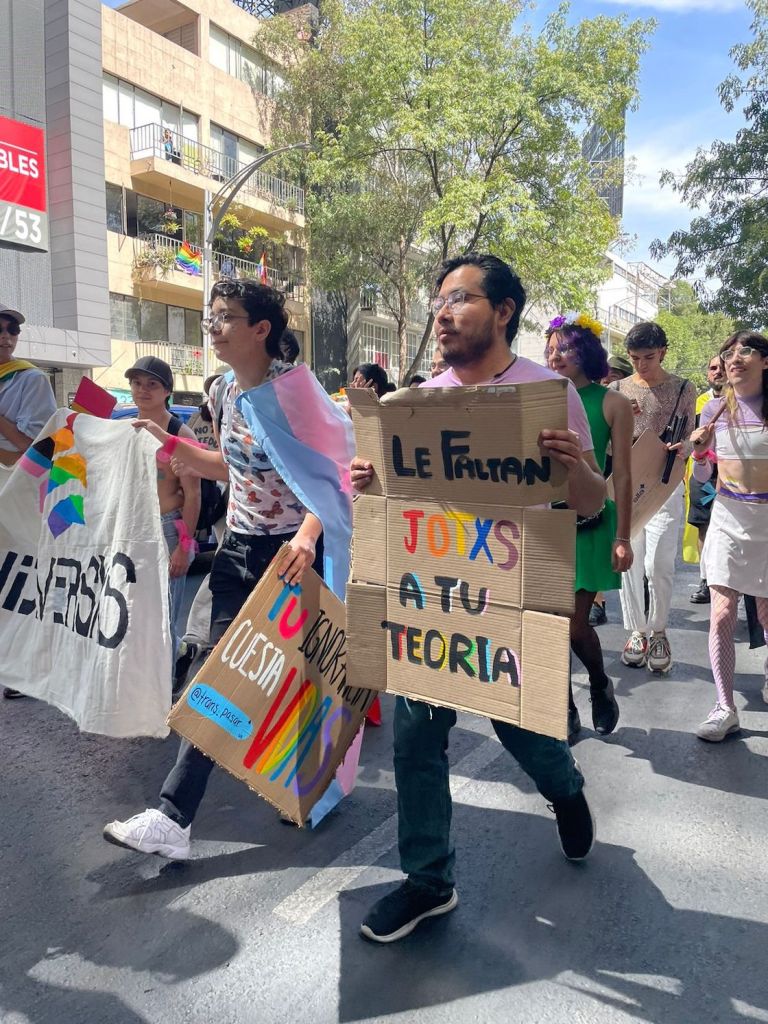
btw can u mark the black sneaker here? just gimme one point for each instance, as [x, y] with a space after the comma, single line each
[10, 694]
[597, 615]
[701, 594]
[574, 724]
[605, 710]
[575, 825]
[398, 913]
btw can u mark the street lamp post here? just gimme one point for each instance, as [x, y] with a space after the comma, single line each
[212, 218]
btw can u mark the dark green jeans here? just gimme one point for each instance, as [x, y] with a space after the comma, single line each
[423, 793]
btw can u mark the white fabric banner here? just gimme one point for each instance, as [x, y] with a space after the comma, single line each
[84, 577]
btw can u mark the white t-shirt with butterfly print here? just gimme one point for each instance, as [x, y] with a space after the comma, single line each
[260, 502]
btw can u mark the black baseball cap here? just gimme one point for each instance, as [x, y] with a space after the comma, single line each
[155, 367]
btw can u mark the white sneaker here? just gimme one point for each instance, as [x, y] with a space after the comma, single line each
[659, 653]
[150, 832]
[720, 722]
[635, 650]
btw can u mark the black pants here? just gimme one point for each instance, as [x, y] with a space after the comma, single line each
[237, 567]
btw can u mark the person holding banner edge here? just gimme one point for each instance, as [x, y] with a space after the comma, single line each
[477, 311]
[265, 510]
[603, 548]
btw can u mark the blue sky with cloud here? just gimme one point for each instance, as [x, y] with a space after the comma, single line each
[679, 109]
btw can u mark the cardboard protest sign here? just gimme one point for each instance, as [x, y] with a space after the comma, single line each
[84, 577]
[460, 588]
[272, 704]
[649, 457]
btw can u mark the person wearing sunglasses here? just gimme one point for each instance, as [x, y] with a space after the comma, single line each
[26, 404]
[603, 548]
[734, 436]
[26, 396]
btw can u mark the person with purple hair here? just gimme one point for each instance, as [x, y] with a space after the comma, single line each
[603, 549]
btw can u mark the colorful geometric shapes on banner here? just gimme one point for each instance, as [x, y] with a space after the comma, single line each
[65, 513]
[68, 467]
[35, 462]
[63, 440]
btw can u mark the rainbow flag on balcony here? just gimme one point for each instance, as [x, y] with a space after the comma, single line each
[189, 260]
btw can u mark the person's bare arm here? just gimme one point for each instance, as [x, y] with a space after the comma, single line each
[586, 485]
[11, 433]
[621, 419]
[188, 458]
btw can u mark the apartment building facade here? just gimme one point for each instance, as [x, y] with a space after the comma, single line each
[186, 105]
[53, 257]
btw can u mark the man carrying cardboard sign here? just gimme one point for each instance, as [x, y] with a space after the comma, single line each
[477, 313]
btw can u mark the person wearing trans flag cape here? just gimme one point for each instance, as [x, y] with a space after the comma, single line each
[285, 449]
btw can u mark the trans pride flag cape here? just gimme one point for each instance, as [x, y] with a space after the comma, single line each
[310, 442]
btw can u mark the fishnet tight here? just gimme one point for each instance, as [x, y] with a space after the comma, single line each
[722, 650]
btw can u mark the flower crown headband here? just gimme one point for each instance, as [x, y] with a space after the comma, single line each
[573, 319]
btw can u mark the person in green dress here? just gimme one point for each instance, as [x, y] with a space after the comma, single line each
[603, 548]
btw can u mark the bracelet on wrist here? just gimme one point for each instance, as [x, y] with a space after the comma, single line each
[621, 540]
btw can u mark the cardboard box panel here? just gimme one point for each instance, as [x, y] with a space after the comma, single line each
[549, 560]
[546, 660]
[369, 539]
[649, 457]
[272, 704]
[367, 640]
[464, 444]
[457, 582]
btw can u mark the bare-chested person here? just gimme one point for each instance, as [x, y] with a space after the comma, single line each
[151, 386]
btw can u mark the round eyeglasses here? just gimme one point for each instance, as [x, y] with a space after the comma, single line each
[745, 350]
[454, 301]
[215, 323]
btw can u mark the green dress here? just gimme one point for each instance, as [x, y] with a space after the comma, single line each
[594, 546]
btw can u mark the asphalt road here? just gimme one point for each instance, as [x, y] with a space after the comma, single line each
[666, 922]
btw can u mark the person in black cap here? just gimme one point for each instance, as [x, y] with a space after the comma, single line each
[151, 385]
[26, 396]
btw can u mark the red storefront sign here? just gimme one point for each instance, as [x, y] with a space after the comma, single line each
[22, 164]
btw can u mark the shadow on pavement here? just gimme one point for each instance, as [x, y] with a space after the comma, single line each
[602, 928]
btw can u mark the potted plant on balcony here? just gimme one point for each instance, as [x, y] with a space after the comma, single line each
[171, 225]
[152, 260]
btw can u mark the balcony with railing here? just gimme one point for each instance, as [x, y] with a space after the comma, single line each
[183, 359]
[158, 152]
[158, 258]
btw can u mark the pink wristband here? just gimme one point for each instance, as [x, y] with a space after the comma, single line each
[165, 453]
[708, 454]
[186, 542]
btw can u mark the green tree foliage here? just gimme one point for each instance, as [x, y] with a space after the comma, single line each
[729, 182]
[694, 334]
[442, 126]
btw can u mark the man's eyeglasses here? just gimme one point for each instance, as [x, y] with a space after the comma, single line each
[454, 301]
[215, 323]
[745, 351]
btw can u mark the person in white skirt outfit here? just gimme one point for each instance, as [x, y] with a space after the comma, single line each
[734, 434]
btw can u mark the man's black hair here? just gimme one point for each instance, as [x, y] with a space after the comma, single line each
[289, 346]
[646, 334]
[499, 281]
[260, 302]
